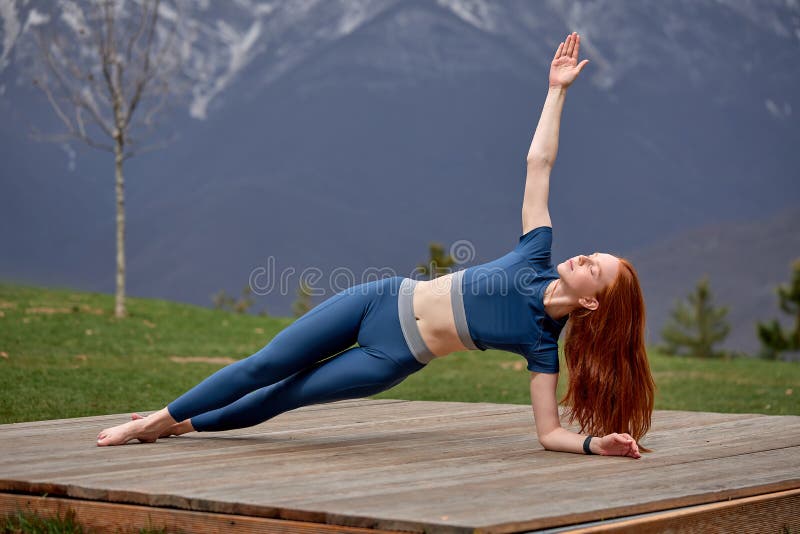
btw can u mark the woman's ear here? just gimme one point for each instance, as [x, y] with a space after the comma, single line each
[590, 303]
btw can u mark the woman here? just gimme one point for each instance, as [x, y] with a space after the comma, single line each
[518, 303]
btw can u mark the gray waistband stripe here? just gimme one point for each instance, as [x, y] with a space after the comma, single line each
[408, 322]
[457, 301]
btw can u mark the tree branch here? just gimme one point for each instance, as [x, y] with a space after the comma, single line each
[54, 104]
[137, 34]
[106, 52]
[148, 119]
[149, 148]
[146, 72]
[135, 64]
[66, 87]
[36, 135]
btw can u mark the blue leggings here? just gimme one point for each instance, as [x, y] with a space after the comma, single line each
[294, 368]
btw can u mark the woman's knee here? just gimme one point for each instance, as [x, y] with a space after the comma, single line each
[261, 366]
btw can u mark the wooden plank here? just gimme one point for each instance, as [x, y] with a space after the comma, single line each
[349, 457]
[771, 512]
[98, 422]
[296, 419]
[266, 429]
[338, 448]
[528, 504]
[108, 517]
[334, 436]
[341, 449]
[176, 448]
[349, 472]
[122, 417]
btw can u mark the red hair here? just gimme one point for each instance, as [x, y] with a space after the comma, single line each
[610, 386]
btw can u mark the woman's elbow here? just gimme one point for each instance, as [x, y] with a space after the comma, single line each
[546, 440]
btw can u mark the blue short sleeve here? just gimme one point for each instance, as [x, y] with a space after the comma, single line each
[535, 246]
[543, 361]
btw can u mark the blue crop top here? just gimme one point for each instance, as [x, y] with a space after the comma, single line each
[502, 301]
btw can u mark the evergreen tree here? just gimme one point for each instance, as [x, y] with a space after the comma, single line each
[245, 302]
[772, 337]
[438, 264]
[303, 302]
[696, 326]
[222, 301]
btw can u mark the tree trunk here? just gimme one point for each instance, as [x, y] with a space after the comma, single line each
[119, 307]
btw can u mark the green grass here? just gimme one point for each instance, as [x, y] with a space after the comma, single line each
[63, 354]
[29, 522]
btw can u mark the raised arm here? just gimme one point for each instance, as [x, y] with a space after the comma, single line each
[544, 147]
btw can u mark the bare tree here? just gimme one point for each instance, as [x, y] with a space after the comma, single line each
[107, 72]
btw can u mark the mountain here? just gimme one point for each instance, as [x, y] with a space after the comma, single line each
[348, 135]
[745, 262]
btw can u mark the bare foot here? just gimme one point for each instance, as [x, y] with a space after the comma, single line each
[174, 430]
[122, 434]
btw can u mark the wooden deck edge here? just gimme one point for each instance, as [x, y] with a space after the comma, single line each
[148, 501]
[662, 507]
[771, 506]
[346, 403]
[113, 517]
[770, 512]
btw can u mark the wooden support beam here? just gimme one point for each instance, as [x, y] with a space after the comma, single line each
[113, 517]
[771, 512]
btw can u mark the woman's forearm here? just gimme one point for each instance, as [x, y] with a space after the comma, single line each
[544, 146]
[563, 440]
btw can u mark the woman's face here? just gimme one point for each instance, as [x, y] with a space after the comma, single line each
[585, 276]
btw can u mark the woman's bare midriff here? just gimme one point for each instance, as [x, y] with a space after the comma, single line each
[434, 314]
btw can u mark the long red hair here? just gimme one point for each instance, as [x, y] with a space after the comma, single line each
[610, 386]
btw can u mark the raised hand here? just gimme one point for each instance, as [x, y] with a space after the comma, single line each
[564, 68]
[619, 445]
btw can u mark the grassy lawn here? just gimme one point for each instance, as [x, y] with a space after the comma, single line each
[63, 354]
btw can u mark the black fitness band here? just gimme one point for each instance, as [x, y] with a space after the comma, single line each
[586, 442]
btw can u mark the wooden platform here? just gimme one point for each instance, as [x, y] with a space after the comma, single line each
[419, 466]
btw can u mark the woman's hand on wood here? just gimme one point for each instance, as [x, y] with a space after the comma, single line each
[564, 68]
[619, 445]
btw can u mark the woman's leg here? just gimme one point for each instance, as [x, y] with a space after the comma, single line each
[355, 373]
[330, 327]
[382, 360]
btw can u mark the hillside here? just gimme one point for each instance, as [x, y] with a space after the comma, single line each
[63, 354]
[745, 262]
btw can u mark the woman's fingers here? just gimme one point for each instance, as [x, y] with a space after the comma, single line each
[633, 442]
[624, 444]
[558, 52]
[621, 444]
[570, 47]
